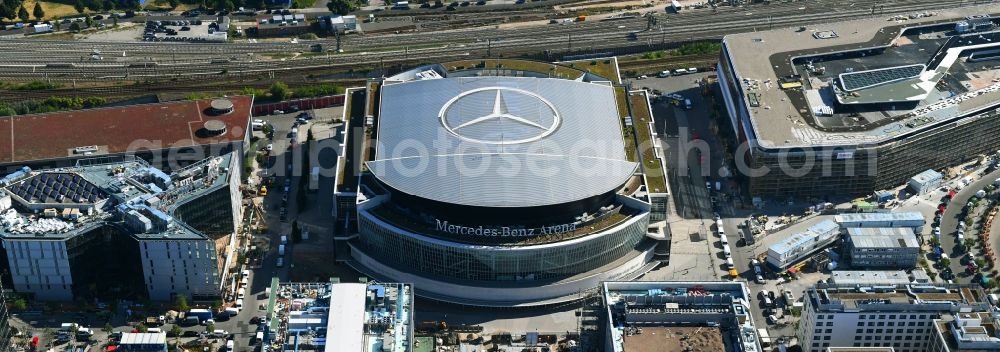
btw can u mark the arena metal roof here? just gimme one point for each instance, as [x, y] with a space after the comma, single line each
[500, 141]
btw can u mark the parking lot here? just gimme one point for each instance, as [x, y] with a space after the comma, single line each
[194, 30]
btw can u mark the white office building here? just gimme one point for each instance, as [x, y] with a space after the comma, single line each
[897, 316]
[798, 246]
[881, 247]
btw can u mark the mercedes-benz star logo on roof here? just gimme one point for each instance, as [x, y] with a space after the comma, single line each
[532, 119]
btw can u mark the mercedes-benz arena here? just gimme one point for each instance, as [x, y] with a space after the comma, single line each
[500, 191]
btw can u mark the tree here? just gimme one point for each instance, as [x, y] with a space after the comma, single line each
[108, 5]
[141, 327]
[75, 27]
[22, 13]
[38, 11]
[89, 21]
[280, 91]
[175, 331]
[981, 263]
[341, 7]
[216, 305]
[181, 302]
[57, 23]
[78, 5]
[114, 21]
[173, 3]
[108, 329]
[256, 4]
[968, 243]
[20, 304]
[210, 327]
[945, 262]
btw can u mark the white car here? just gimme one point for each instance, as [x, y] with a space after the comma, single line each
[270, 147]
[278, 112]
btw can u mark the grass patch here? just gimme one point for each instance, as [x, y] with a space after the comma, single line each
[54, 9]
[651, 165]
[33, 85]
[601, 67]
[50, 104]
[316, 90]
[552, 70]
[53, 36]
[621, 97]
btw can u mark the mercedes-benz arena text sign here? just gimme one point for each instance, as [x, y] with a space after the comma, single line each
[501, 112]
[444, 226]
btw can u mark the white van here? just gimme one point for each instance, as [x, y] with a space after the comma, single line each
[239, 304]
[664, 74]
[281, 262]
[232, 311]
[68, 326]
[230, 345]
[241, 293]
[726, 251]
[284, 239]
[154, 330]
[219, 333]
[730, 264]
[281, 249]
[693, 70]
[724, 240]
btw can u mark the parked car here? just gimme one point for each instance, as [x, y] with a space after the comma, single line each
[190, 333]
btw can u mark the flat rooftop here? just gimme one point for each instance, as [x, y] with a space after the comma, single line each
[114, 130]
[785, 118]
[888, 297]
[676, 339]
[65, 202]
[679, 316]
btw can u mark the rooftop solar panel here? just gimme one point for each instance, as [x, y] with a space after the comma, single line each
[852, 81]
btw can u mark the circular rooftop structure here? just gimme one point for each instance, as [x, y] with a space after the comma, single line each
[214, 127]
[222, 106]
[500, 142]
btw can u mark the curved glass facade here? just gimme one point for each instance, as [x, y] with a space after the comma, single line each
[397, 248]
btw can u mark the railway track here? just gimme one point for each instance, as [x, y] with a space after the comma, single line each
[152, 61]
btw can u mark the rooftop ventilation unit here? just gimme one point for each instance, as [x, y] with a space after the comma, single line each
[85, 149]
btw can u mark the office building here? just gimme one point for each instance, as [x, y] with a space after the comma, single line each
[966, 331]
[523, 190]
[339, 317]
[115, 225]
[883, 315]
[881, 247]
[858, 106]
[679, 316]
